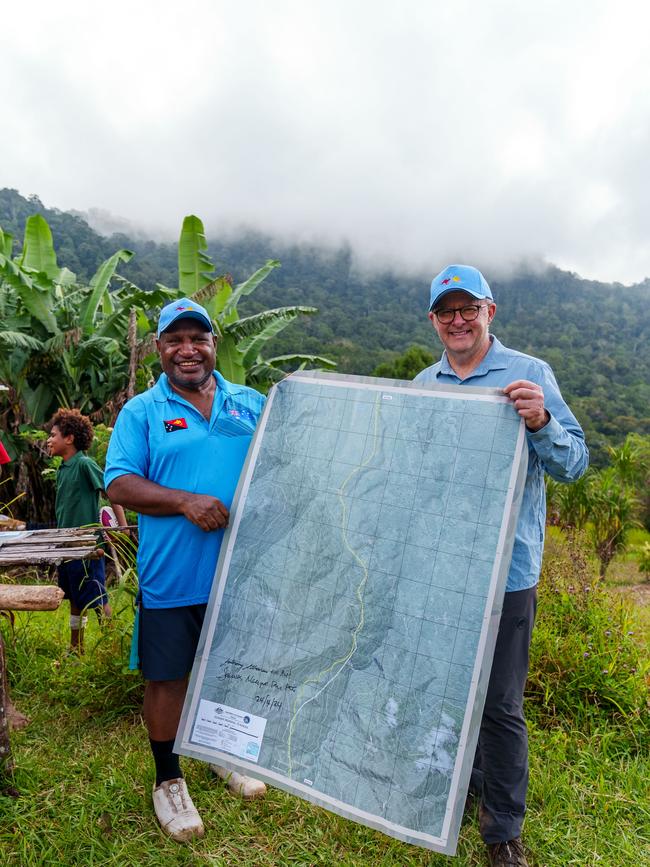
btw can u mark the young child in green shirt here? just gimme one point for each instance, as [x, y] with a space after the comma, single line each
[79, 481]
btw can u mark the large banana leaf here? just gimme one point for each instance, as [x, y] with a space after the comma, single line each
[144, 324]
[266, 371]
[13, 273]
[264, 326]
[194, 265]
[266, 368]
[13, 339]
[36, 299]
[108, 305]
[63, 340]
[38, 248]
[250, 285]
[99, 285]
[230, 360]
[97, 346]
[262, 376]
[6, 243]
[251, 326]
[128, 295]
[301, 359]
[215, 295]
[66, 277]
[39, 403]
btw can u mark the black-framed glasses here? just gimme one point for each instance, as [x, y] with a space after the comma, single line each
[468, 312]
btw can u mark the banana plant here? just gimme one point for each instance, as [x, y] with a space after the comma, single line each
[252, 332]
[240, 340]
[65, 339]
[64, 343]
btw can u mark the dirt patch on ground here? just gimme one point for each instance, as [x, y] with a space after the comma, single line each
[640, 593]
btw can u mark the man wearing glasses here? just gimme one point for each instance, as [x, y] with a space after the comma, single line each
[461, 310]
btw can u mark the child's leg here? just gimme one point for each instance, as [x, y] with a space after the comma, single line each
[89, 591]
[77, 623]
[97, 587]
[104, 612]
[71, 581]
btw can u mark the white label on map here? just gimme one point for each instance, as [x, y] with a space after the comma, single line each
[228, 729]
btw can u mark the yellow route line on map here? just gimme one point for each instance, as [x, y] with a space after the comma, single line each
[359, 593]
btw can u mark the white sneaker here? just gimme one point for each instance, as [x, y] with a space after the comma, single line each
[107, 517]
[246, 787]
[175, 811]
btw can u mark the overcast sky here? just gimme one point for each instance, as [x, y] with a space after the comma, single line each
[423, 132]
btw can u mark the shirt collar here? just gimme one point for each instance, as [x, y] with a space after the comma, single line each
[495, 359]
[73, 460]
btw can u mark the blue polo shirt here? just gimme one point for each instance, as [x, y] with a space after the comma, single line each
[160, 436]
[558, 449]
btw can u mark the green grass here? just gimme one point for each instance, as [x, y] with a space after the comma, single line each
[84, 775]
[638, 536]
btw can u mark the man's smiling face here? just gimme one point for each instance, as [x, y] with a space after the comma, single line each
[463, 340]
[187, 354]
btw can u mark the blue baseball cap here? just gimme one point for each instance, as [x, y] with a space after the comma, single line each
[456, 278]
[184, 308]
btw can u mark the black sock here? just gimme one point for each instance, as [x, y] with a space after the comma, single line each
[167, 764]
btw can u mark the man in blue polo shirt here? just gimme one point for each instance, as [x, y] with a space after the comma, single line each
[461, 310]
[175, 456]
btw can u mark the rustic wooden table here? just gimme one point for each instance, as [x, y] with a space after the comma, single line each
[29, 548]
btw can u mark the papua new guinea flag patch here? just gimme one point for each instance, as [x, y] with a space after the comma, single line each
[175, 424]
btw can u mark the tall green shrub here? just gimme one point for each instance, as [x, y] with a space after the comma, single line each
[587, 661]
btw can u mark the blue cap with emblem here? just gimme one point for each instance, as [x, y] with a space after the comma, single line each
[463, 278]
[184, 308]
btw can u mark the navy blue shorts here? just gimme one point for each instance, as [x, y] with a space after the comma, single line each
[84, 582]
[167, 640]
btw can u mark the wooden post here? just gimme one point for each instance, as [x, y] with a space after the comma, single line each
[25, 548]
[6, 761]
[18, 597]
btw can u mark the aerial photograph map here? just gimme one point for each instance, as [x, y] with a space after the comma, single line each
[349, 635]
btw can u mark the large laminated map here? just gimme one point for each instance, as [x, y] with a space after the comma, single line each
[348, 638]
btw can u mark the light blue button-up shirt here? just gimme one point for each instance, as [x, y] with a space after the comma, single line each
[558, 449]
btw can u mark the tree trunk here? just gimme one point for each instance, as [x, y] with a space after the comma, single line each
[133, 353]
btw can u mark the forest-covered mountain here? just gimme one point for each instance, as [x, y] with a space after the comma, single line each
[595, 335]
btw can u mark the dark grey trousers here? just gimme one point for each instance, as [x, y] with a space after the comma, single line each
[500, 772]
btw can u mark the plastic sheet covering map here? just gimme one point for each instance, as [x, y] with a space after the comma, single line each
[351, 626]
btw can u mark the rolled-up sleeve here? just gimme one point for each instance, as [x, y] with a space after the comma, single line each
[560, 445]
